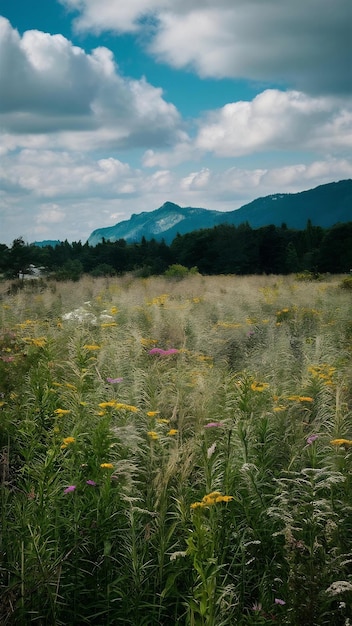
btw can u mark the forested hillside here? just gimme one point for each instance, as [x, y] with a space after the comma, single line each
[224, 249]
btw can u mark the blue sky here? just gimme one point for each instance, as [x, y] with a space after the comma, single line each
[109, 108]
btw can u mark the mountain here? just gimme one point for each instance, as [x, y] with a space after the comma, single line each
[325, 206]
[46, 242]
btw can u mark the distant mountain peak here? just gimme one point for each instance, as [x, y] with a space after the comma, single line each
[324, 205]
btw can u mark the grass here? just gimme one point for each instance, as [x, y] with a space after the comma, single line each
[176, 451]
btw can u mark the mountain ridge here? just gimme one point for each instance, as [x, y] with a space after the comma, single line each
[325, 205]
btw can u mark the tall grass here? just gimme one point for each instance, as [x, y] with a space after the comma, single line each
[176, 451]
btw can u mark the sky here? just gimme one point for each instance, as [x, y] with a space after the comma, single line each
[111, 107]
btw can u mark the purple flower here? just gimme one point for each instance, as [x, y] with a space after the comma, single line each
[91, 482]
[114, 380]
[213, 425]
[70, 488]
[311, 439]
[280, 602]
[162, 352]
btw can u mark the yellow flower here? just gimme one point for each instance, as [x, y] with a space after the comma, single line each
[342, 442]
[163, 421]
[126, 407]
[172, 431]
[67, 441]
[224, 499]
[152, 434]
[92, 346]
[259, 386]
[210, 498]
[106, 466]
[227, 498]
[305, 399]
[62, 411]
[152, 413]
[104, 405]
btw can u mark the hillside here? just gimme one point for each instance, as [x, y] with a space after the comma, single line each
[325, 206]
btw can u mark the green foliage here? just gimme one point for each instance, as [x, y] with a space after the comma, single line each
[180, 271]
[346, 283]
[176, 452]
[223, 249]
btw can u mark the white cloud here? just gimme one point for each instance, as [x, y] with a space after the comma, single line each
[51, 195]
[303, 44]
[48, 85]
[277, 120]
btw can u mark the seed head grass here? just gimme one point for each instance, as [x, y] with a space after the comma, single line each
[176, 452]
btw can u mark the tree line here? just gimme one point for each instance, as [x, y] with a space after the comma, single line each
[223, 249]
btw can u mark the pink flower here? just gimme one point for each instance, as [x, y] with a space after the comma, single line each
[162, 352]
[311, 439]
[280, 602]
[92, 483]
[114, 380]
[70, 488]
[213, 425]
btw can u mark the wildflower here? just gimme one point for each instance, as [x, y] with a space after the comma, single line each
[92, 483]
[210, 498]
[162, 352]
[67, 441]
[342, 442]
[279, 601]
[162, 420]
[311, 439]
[106, 466]
[114, 380]
[152, 413]
[92, 347]
[196, 505]
[70, 488]
[213, 425]
[104, 405]
[152, 434]
[62, 411]
[126, 407]
[172, 431]
[224, 499]
[305, 399]
[259, 386]
[257, 606]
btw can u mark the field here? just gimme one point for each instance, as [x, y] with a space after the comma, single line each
[176, 451]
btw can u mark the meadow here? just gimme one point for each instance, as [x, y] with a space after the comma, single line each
[176, 452]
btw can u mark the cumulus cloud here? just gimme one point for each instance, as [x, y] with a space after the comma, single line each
[277, 120]
[304, 44]
[48, 85]
[274, 121]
